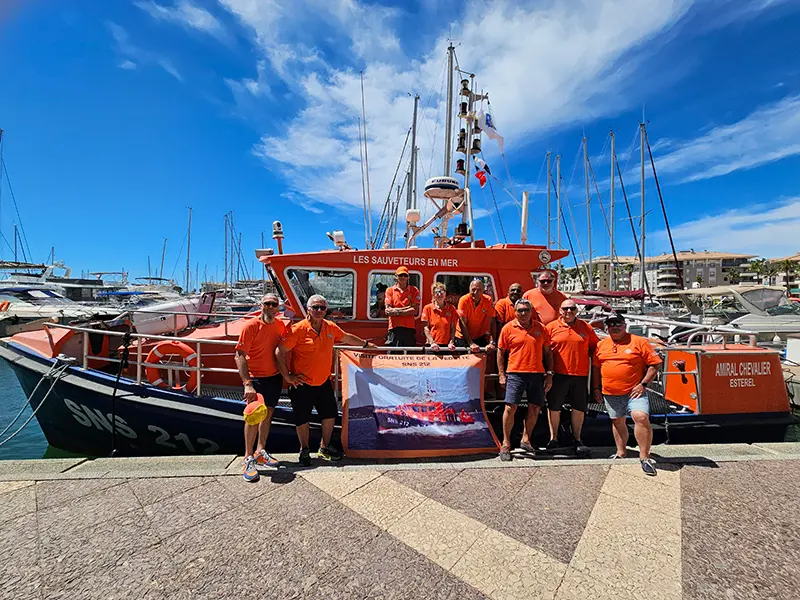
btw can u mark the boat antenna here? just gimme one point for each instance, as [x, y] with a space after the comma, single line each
[366, 162]
[558, 202]
[414, 153]
[612, 251]
[363, 187]
[590, 270]
[448, 135]
[549, 179]
[664, 210]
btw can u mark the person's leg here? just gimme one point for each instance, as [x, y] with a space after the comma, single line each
[302, 436]
[579, 401]
[301, 409]
[643, 432]
[263, 430]
[577, 423]
[270, 390]
[250, 434]
[554, 419]
[555, 402]
[620, 430]
[536, 401]
[327, 431]
[530, 422]
[508, 424]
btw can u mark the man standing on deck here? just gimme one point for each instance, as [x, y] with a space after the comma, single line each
[624, 365]
[255, 359]
[573, 343]
[545, 298]
[504, 308]
[476, 327]
[402, 306]
[308, 374]
[525, 365]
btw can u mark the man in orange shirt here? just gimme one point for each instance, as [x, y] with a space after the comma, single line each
[476, 325]
[402, 305]
[308, 374]
[573, 342]
[255, 359]
[624, 365]
[505, 306]
[525, 347]
[545, 298]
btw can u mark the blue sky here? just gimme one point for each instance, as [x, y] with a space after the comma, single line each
[119, 115]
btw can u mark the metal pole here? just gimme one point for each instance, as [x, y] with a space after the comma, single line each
[366, 158]
[414, 154]
[611, 275]
[523, 236]
[199, 370]
[408, 205]
[590, 272]
[448, 135]
[163, 254]
[467, 214]
[549, 179]
[189, 254]
[226, 251]
[642, 270]
[558, 201]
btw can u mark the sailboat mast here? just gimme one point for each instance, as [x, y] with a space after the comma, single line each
[366, 159]
[613, 250]
[549, 180]
[470, 122]
[448, 135]
[189, 253]
[558, 202]
[590, 272]
[163, 254]
[642, 270]
[226, 250]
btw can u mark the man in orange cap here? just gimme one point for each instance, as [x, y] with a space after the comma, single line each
[255, 359]
[402, 306]
[545, 298]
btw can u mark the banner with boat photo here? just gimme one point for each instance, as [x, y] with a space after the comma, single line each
[413, 406]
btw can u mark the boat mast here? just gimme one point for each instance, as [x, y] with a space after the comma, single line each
[414, 154]
[448, 136]
[549, 179]
[366, 159]
[590, 272]
[558, 201]
[163, 254]
[642, 273]
[523, 236]
[189, 253]
[470, 122]
[226, 251]
[611, 278]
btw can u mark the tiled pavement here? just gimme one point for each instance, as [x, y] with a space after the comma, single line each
[712, 530]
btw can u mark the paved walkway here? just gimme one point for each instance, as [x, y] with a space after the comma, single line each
[717, 522]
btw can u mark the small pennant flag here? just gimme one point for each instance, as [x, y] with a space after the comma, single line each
[481, 164]
[487, 124]
[481, 175]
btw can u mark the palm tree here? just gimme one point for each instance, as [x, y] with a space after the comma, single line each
[734, 275]
[787, 267]
[759, 267]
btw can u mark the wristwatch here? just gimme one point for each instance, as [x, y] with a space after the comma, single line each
[548, 372]
[643, 384]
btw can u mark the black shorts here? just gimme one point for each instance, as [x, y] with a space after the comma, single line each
[568, 389]
[531, 384]
[305, 397]
[402, 337]
[269, 388]
[482, 341]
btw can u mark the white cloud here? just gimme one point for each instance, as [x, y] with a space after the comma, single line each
[186, 14]
[766, 229]
[768, 134]
[133, 56]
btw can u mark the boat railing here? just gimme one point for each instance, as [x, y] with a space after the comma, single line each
[228, 316]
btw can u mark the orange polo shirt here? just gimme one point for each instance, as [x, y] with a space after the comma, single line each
[546, 307]
[312, 352]
[572, 346]
[439, 321]
[623, 366]
[258, 341]
[397, 298]
[478, 318]
[524, 346]
[505, 310]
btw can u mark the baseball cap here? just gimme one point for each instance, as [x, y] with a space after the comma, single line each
[401, 270]
[256, 411]
[617, 319]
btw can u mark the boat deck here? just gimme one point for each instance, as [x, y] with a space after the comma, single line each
[455, 530]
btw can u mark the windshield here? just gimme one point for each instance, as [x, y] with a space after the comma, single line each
[765, 299]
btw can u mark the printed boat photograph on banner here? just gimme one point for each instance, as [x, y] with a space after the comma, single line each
[407, 406]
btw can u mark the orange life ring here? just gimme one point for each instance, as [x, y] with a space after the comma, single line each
[172, 348]
[4, 305]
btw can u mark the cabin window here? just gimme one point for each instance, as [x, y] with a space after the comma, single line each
[458, 284]
[379, 282]
[338, 287]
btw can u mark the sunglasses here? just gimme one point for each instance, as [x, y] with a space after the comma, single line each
[617, 324]
[523, 310]
[572, 308]
[402, 275]
[270, 303]
[546, 281]
[319, 307]
[440, 292]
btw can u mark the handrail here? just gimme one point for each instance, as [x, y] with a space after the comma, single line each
[753, 341]
[168, 338]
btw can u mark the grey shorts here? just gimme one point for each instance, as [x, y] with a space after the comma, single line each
[621, 406]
